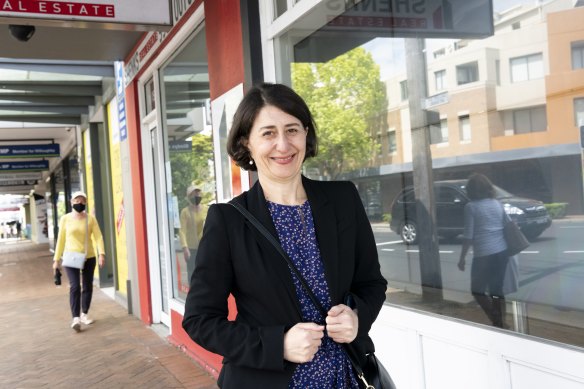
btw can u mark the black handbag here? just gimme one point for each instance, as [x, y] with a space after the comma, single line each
[516, 241]
[372, 375]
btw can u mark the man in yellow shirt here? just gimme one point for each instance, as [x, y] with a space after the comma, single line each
[192, 219]
[79, 232]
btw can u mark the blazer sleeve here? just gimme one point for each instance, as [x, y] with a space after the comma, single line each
[368, 286]
[206, 308]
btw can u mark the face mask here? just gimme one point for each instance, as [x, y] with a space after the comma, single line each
[79, 207]
[196, 200]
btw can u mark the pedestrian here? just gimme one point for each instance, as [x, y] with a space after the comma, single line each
[279, 338]
[192, 219]
[18, 229]
[484, 218]
[78, 231]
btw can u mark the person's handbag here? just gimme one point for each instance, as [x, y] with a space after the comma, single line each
[372, 375]
[516, 241]
[73, 258]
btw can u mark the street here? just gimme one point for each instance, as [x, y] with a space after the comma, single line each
[551, 269]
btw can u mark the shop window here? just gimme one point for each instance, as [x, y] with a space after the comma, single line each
[464, 126]
[352, 73]
[579, 111]
[529, 120]
[440, 77]
[466, 73]
[578, 55]
[525, 68]
[149, 101]
[189, 157]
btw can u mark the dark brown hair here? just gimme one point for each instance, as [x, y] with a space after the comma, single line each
[259, 96]
[479, 187]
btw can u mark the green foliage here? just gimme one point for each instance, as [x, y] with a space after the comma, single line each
[348, 102]
[386, 217]
[556, 210]
[192, 168]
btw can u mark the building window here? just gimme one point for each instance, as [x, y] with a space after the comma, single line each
[529, 120]
[464, 126]
[468, 72]
[439, 132]
[280, 6]
[391, 141]
[525, 68]
[516, 26]
[403, 87]
[439, 53]
[578, 55]
[579, 111]
[440, 80]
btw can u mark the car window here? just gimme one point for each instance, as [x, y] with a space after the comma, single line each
[448, 195]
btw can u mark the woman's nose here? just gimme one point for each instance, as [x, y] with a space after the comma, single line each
[282, 142]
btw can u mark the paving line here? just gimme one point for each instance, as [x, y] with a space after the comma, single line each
[386, 243]
[529, 252]
[574, 252]
[412, 251]
[387, 249]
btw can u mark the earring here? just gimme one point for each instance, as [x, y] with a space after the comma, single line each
[251, 161]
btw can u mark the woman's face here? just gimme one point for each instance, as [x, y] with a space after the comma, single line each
[79, 200]
[277, 143]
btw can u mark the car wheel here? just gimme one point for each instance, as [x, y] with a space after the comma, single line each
[409, 232]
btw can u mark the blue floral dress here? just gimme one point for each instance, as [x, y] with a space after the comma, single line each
[330, 367]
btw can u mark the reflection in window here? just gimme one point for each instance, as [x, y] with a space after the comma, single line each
[464, 125]
[529, 120]
[403, 88]
[467, 73]
[578, 55]
[149, 103]
[187, 129]
[579, 111]
[526, 68]
[391, 140]
[440, 77]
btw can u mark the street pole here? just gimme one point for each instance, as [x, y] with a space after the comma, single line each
[430, 270]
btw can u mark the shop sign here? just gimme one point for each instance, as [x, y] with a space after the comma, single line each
[112, 12]
[24, 166]
[422, 18]
[20, 176]
[30, 151]
[180, 146]
[152, 41]
[18, 183]
[121, 93]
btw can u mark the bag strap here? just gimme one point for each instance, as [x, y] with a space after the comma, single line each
[270, 237]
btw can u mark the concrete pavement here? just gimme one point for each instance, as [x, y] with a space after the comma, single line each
[38, 349]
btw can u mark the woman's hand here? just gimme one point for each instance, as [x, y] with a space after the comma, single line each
[342, 324]
[461, 264]
[302, 341]
[56, 265]
[101, 260]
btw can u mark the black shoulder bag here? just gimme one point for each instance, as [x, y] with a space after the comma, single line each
[373, 375]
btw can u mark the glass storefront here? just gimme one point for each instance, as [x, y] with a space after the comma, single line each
[410, 99]
[184, 86]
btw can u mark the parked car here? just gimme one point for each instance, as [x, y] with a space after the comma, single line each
[374, 211]
[530, 215]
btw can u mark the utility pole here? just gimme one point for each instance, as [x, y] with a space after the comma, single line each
[430, 270]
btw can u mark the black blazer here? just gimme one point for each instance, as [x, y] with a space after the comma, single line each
[233, 257]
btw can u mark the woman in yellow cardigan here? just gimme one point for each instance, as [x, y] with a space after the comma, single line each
[72, 237]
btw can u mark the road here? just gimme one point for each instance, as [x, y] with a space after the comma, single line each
[551, 269]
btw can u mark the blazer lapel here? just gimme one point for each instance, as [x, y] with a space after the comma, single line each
[325, 223]
[256, 204]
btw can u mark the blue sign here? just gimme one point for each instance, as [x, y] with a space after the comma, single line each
[121, 93]
[24, 166]
[30, 151]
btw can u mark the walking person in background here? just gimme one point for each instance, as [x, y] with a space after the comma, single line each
[75, 229]
[279, 338]
[192, 219]
[483, 229]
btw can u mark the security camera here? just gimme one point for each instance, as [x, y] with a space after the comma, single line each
[20, 32]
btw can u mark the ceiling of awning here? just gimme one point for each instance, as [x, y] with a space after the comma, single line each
[49, 83]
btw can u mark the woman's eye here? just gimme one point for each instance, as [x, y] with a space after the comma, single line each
[267, 133]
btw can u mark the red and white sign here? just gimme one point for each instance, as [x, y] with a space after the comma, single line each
[141, 12]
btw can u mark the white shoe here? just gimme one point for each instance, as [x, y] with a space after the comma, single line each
[84, 319]
[76, 324]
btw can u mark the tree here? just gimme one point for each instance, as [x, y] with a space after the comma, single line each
[348, 102]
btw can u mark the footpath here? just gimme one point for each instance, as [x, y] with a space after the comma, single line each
[38, 349]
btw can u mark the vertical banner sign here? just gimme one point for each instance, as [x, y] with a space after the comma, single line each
[118, 195]
[121, 95]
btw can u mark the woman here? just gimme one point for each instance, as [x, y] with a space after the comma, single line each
[75, 229]
[483, 229]
[279, 339]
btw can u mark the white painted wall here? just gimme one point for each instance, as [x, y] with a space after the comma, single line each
[425, 351]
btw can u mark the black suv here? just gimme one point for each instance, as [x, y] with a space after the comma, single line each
[530, 215]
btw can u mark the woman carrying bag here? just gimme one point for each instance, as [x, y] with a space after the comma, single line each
[281, 338]
[77, 233]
